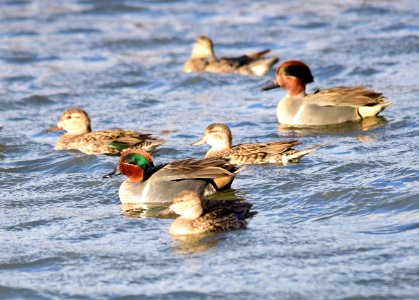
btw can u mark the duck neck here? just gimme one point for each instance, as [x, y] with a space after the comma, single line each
[202, 52]
[193, 214]
[79, 129]
[299, 88]
[221, 146]
[219, 149]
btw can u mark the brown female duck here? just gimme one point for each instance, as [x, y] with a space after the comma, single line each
[79, 136]
[219, 137]
[203, 59]
[196, 217]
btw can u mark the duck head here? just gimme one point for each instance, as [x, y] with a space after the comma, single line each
[217, 135]
[188, 204]
[203, 49]
[74, 121]
[292, 75]
[133, 163]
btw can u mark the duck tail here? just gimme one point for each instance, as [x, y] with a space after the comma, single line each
[238, 169]
[372, 110]
[296, 155]
[261, 67]
[246, 213]
[258, 55]
[250, 214]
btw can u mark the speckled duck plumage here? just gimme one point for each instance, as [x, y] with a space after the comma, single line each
[219, 137]
[203, 59]
[79, 136]
[196, 217]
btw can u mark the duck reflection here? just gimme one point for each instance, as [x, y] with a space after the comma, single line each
[163, 211]
[363, 125]
[142, 210]
[186, 244]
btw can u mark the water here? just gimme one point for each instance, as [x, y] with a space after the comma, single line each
[343, 223]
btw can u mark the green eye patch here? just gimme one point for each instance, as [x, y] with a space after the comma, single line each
[137, 159]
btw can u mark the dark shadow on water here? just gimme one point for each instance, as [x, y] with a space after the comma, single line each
[394, 229]
[2, 150]
[9, 292]
[364, 125]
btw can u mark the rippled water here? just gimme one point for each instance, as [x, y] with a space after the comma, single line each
[343, 223]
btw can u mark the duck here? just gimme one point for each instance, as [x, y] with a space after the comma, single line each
[330, 106]
[219, 137]
[197, 217]
[203, 59]
[148, 183]
[79, 136]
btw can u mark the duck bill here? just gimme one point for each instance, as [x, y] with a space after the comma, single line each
[115, 172]
[54, 128]
[270, 86]
[200, 142]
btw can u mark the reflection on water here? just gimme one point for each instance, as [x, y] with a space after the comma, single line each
[363, 125]
[187, 244]
[153, 210]
[142, 210]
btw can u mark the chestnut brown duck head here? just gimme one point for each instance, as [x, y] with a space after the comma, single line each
[148, 183]
[323, 107]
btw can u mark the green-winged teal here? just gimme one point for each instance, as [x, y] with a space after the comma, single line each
[196, 217]
[79, 136]
[147, 183]
[219, 137]
[203, 59]
[325, 107]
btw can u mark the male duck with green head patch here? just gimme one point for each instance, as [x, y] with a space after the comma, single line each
[147, 183]
[325, 107]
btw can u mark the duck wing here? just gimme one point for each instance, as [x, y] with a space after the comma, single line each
[270, 148]
[242, 60]
[113, 141]
[257, 153]
[209, 168]
[345, 96]
[224, 207]
[121, 135]
[225, 216]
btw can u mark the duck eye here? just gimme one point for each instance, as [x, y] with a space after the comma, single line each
[68, 117]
